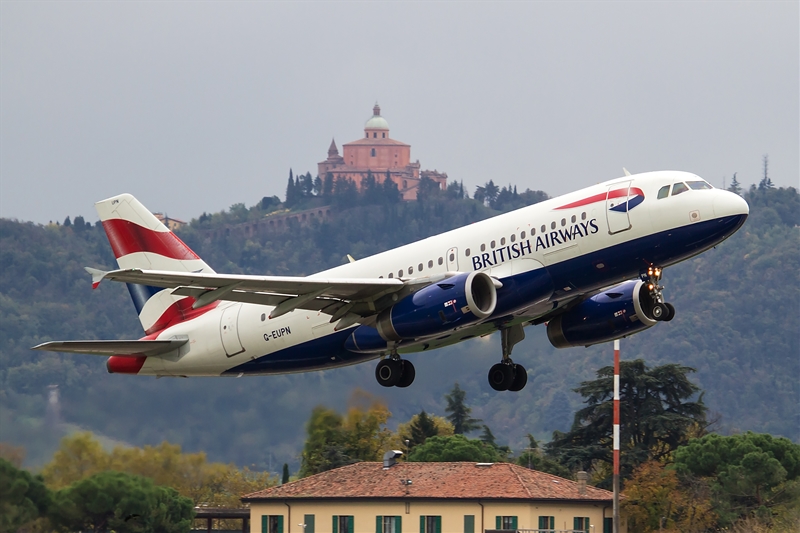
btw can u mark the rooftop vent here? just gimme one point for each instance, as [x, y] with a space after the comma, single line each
[484, 464]
[390, 458]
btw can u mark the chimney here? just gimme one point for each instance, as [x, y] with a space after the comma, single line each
[582, 477]
[390, 458]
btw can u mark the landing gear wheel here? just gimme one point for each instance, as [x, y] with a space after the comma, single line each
[520, 379]
[388, 372]
[670, 314]
[407, 374]
[501, 376]
[659, 311]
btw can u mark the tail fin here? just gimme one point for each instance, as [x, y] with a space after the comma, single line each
[140, 240]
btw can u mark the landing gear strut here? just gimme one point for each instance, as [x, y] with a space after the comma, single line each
[661, 310]
[507, 375]
[395, 372]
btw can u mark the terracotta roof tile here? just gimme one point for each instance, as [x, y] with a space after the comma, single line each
[433, 480]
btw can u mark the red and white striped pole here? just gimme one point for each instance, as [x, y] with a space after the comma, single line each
[616, 436]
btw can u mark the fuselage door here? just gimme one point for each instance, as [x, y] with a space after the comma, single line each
[229, 330]
[452, 260]
[617, 207]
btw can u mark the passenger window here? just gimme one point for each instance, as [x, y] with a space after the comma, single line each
[583, 215]
[466, 252]
[697, 185]
[410, 270]
[522, 235]
[400, 273]
[452, 257]
[544, 228]
[391, 274]
[679, 188]
[441, 260]
[492, 244]
[533, 232]
[263, 317]
[502, 241]
[663, 192]
[513, 237]
[420, 267]
[483, 247]
[430, 263]
[574, 218]
[563, 222]
[553, 225]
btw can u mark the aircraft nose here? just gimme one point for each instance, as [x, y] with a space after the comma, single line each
[728, 204]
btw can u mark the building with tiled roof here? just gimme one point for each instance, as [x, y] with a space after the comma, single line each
[379, 155]
[412, 497]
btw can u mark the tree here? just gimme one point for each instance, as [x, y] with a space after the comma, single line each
[324, 446]
[487, 437]
[735, 187]
[656, 417]
[765, 182]
[79, 456]
[534, 460]
[307, 185]
[750, 473]
[492, 191]
[656, 500]
[115, 501]
[23, 497]
[420, 428]
[285, 474]
[453, 448]
[459, 412]
[291, 191]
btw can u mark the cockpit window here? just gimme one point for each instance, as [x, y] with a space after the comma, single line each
[697, 185]
[663, 192]
[679, 188]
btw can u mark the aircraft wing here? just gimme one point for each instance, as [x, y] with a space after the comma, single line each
[120, 348]
[357, 297]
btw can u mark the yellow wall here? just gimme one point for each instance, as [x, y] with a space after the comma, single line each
[452, 513]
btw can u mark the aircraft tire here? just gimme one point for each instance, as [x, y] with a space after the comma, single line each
[407, 376]
[670, 312]
[388, 372]
[659, 312]
[520, 379]
[501, 376]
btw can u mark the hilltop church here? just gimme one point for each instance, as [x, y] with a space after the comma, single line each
[379, 154]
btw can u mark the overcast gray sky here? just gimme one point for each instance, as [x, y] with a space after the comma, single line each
[194, 106]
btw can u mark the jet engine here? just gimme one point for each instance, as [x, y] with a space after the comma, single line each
[617, 312]
[458, 301]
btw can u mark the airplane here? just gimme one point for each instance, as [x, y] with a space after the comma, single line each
[587, 264]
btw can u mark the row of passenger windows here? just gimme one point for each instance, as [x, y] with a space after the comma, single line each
[492, 245]
[680, 187]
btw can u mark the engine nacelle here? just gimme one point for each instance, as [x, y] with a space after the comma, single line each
[458, 301]
[617, 312]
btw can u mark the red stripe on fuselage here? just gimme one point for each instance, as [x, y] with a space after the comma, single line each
[617, 193]
[127, 238]
[179, 311]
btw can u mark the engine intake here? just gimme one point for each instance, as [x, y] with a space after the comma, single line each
[617, 312]
[461, 300]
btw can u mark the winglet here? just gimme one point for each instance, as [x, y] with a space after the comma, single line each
[625, 170]
[97, 275]
[350, 258]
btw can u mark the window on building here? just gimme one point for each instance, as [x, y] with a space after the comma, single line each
[608, 525]
[372, 152]
[308, 523]
[581, 523]
[469, 523]
[271, 523]
[388, 524]
[374, 134]
[547, 522]
[342, 524]
[663, 192]
[383, 135]
[505, 522]
[429, 524]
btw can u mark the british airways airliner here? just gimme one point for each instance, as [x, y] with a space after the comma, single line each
[587, 264]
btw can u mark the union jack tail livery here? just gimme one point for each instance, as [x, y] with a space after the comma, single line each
[139, 240]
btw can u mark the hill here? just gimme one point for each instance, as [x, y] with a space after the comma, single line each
[737, 323]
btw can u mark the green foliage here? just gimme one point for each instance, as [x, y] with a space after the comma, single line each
[23, 497]
[536, 461]
[459, 413]
[751, 473]
[421, 428]
[114, 501]
[454, 448]
[656, 417]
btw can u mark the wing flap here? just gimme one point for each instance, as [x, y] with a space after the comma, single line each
[132, 348]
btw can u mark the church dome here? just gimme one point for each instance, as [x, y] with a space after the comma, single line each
[376, 122]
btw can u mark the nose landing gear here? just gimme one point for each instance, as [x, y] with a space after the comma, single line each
[661, 310]
[507, 375]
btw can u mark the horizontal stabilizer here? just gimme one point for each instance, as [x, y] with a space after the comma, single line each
[120, 348]
[97, 275]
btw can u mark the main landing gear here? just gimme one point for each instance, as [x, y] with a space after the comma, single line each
[395, 372]
[507, 375]
[661, 310]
